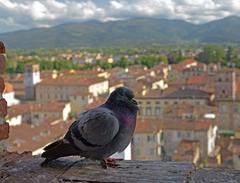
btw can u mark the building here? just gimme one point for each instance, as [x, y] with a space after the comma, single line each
[31, 78]
[53, 110]
[234, 147]
[203, 131]
[228, 98]
[61, 88]
[188, 151]
[9, 95]
[33, 138]
[147, 140]
[154, 102]
[79, 100]
[35, 113]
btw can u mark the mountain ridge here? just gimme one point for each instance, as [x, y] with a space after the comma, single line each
[125, 32]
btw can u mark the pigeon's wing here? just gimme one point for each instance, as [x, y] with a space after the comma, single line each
[94, 129]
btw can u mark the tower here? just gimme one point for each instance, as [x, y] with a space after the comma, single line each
[226, 98]
[226, 85]
[31, 78]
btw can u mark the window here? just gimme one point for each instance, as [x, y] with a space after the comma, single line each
[148, 102]
[166, 102]
[178, 134]
[148, 111]
[151, 138]
[157, 102]
[157, 111]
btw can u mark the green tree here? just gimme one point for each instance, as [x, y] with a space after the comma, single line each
[212, 54]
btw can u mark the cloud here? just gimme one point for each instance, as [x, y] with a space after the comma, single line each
[22, 14]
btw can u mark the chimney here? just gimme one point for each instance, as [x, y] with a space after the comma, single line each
[4, 127]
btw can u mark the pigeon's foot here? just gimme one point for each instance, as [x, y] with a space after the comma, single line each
[109, 163]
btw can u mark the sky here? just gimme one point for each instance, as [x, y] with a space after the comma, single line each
[25, 14]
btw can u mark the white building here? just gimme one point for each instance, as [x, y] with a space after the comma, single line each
[9, 95]
[124, 155]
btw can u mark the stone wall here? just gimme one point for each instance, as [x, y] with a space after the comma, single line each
[4, 127]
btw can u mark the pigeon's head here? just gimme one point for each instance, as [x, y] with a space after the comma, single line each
[123, 96]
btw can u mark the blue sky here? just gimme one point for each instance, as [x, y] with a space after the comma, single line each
[25, 14]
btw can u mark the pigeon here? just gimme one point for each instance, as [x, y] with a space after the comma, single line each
[99, 132]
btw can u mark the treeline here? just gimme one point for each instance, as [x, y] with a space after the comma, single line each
[149, 61]
[218, 54]
[227, 56]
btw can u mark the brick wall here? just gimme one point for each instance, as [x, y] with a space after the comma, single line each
[4, 128]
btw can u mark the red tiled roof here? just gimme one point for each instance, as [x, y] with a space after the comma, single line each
[72, 80]
[21, 109]
[196, 80]
[188, 61]
[8, 87]
[37, 136]
[150, 125]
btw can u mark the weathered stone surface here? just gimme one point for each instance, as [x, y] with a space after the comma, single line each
[19, 168]
[3, 107]
[216, 175]
[2, 64]
[2, 86]
[128, 171]
[27, 169]
[4, 131]
[2, 48]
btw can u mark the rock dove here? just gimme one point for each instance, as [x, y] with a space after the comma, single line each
[99, 132]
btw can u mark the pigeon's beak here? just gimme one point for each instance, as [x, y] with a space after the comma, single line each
[135, 103]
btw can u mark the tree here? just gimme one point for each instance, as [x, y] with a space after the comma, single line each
[212, 54]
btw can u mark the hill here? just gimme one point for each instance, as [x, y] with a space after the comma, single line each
[125, 32]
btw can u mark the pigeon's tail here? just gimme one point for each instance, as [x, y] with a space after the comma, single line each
[58, 149]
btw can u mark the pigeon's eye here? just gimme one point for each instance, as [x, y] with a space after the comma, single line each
[130, 95]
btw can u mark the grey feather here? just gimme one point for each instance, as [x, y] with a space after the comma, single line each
[97, 126]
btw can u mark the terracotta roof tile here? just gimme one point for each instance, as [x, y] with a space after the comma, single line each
[37, 136]
[148, 125]
[72, 80]
[8, 87]
[196, 80]
[188, 93]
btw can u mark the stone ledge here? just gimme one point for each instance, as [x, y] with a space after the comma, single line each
[25, 168]
[19, 168]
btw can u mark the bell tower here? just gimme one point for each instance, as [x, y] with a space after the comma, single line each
[31, 78]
